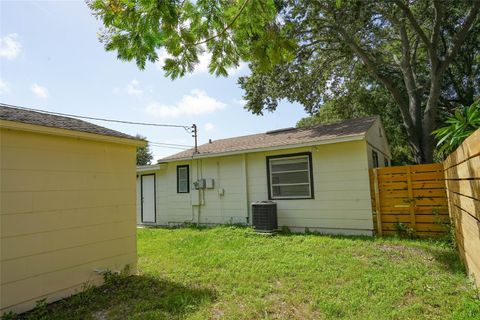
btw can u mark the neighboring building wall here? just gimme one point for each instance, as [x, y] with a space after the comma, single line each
[177, 208]
[341, 185]
[229, 176]
[377, 140]
[342, 195]
[67, 208]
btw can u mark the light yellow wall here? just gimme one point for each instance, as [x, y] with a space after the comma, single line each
[341, 185]
[342, 195]
[174, 208]
[67, 208]
[377, 140]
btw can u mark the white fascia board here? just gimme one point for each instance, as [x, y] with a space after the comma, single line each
[357, 137]
[148, 168]
[20, 126]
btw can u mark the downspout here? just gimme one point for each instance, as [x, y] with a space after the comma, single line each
[193, 208]
[221, 198]
[245, 175]
[200, 194]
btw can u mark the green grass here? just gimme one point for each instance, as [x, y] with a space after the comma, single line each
[234, 273]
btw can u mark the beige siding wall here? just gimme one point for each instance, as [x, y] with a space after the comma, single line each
[172, 207]
[342, 195]
[67, 208]
[341, 186]
[377, 140]
[175, 208]
[228, 175]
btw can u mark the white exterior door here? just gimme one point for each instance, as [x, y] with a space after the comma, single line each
[148, 198]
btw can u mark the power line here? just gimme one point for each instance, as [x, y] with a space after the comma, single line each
[161, 145]
[169, 147]
[187, 128]
[171, 144]
[152, 143]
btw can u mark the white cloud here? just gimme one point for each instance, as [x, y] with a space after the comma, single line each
[133, 88]
[4, 87]
[234, 70]
[162, 56]
[10, 47]
[240, 102]
[203, 61]
[195, 103]
[40, 91]
[209, 127]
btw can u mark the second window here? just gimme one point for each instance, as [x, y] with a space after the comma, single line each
[290, 176]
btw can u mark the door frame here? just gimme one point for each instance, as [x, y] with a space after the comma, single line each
[154, 197]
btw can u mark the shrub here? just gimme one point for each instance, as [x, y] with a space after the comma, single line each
[461, 125]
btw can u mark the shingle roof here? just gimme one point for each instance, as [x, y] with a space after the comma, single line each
[48, 120]
[282, 137]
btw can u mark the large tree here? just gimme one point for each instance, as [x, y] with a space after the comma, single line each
[407, 47]
[366, 98]
[144, 154]
[307, 51]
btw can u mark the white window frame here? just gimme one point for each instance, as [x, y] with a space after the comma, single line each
[187, 180]
[308, 170]
[375, 159]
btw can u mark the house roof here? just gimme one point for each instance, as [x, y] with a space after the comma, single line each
[22, 115]
[287, 137]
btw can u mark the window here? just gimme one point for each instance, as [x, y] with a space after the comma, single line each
[290, 176]
[375, 158]
[183, 185]
[386, 162]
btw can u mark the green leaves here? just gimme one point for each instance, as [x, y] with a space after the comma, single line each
[230, 31]
[460, 126]
[144, 154]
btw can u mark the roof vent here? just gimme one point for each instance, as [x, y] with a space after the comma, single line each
[281, 130]
[209, 140]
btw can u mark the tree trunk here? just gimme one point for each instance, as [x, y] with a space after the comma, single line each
[430, 114]
[415, 141]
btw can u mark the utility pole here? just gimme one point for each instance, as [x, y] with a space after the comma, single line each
[195, 135]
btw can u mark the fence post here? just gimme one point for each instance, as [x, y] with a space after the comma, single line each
[377, 201]
[411, 200]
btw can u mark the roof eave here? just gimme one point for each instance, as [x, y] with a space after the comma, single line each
[356, 137]
[149, 168]
[14, 125]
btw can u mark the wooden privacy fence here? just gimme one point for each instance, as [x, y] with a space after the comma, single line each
[462, 173]
[409, 199]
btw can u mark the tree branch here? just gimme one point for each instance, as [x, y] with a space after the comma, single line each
[228, 26]
[372, 66]
[438, 11]
[416, 26]
[408, 75]
[459, 38]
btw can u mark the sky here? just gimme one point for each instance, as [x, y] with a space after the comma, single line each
[51, 59]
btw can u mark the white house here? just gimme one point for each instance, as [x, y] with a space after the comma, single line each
[318, 177]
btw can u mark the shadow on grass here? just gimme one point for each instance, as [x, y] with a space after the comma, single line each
[132, 297]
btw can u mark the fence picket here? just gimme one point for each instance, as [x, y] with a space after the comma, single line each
[377, 202]
[414, 196]
[462, 172]
[412, 200]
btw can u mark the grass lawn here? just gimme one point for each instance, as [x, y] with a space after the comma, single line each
[233, 273]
